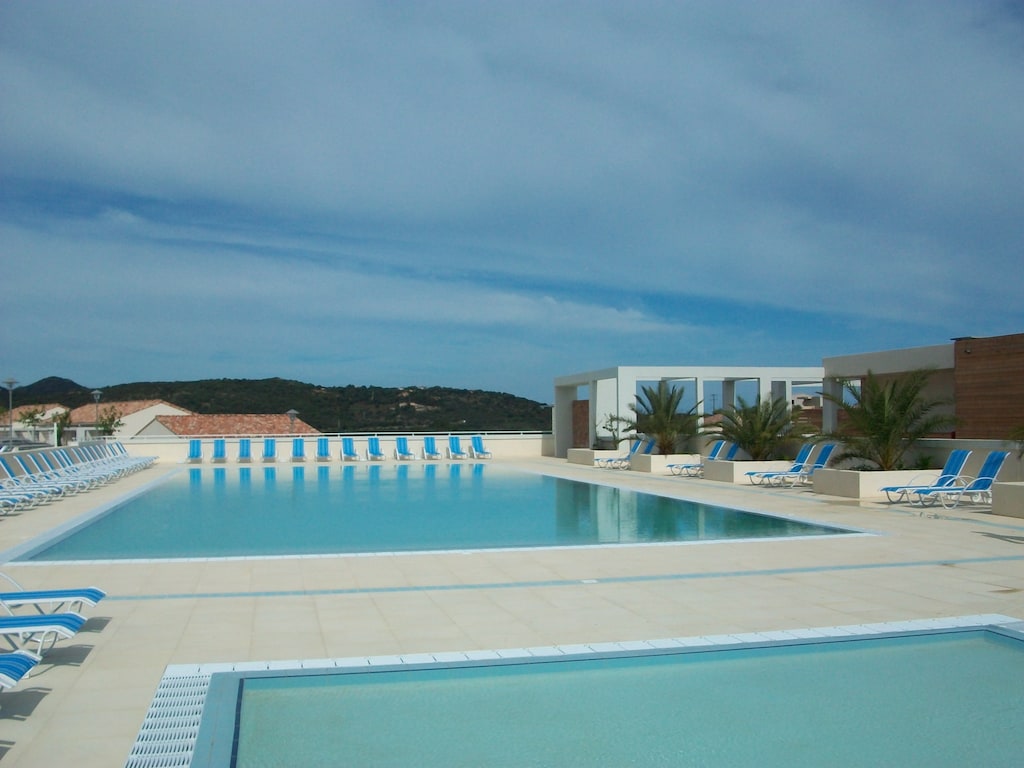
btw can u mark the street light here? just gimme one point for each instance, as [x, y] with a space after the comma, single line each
[96, 395]
[10, 409]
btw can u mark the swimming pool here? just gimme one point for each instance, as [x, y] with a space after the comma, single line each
[289, 511]
[938, 692]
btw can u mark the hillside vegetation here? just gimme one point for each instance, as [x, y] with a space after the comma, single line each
[329, 409]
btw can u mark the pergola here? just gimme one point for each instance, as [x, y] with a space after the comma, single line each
[612, 390]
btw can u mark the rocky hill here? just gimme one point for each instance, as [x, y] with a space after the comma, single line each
[329, 409]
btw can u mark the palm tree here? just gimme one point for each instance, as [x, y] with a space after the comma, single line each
[759, 428]
[886, 417]
[658, 416]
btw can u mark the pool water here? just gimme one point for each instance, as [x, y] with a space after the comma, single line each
[307, 510]
[949, 699]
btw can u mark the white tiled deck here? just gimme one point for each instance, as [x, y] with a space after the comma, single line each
[90, 696]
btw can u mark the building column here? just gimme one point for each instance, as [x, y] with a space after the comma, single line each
[829, 410]
[562, 421]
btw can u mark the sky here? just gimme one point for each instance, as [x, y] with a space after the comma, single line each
[487, 195]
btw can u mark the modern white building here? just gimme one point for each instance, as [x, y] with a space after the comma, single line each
[611, 391]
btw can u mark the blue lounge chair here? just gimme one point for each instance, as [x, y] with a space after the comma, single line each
[947, 478]
[430, 448]
[298, 449]
[348, 450]
[219, 451]
[373, 451]
[477, 450]
[269, 450]
[57, 626]
[402, 452]
[977, 490]
[54, 599]
[15, 666]
[696, 469]
[244, 450]
[760, 477]
[195, 451]
[804, 475]
[611, 462]
[455, 448]
[323, 449]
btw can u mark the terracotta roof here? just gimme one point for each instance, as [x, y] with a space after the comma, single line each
[20, 410]
[86, 414]
[236, 424]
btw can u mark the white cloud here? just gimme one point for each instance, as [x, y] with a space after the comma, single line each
[536, 175]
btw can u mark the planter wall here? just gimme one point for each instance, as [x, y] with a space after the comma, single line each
[854, 484]
[1008, 499]
[658, 463]
[736, 471]
[586, 456]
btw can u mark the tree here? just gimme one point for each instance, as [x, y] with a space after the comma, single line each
[760, 428]
[31, 417]
[1017, 436]
[62, 421]
[886, 417]
[110, 420]
[658, 416]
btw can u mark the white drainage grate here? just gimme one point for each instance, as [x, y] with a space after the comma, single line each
[168, 733]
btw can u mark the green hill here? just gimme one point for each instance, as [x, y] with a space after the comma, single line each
[329, 409]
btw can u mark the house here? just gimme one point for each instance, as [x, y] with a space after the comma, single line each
[226, 425]
[134, 415]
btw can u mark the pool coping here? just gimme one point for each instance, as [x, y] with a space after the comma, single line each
[194, 703]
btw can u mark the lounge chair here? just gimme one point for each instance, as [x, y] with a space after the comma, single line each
[455, 448]
[244, 450]
[219, 451]
[54, 599]
[15, 666]
[348, 450]
[803, 475]
[269, 450]
[298, 449]
[948, 477]
[57, 626]
[373, 451]
[402, 452]
[27, 483]
[430, 448]
[612, 461]
[624, 462]
[761, 477]
[323, 449]
[696, 469]
[977, 490]
[195, 451]
[477, 450]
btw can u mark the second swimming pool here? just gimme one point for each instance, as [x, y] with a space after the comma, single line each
[309, 510]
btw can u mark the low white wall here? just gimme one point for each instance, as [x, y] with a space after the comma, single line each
[174, 450]
[736, 471]
[1008, 499]
[866, 485]
[659, 464]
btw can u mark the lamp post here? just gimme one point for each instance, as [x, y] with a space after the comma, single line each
[291, 413]
[96, 395]
[10, 409]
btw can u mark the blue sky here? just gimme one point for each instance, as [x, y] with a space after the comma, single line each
[491, 194]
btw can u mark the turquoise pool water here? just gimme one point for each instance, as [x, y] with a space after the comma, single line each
[947, 699]
[305, 510]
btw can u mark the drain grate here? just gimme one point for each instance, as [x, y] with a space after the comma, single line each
[167, 737]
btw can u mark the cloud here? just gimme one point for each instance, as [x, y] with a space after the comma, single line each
[574, 182]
